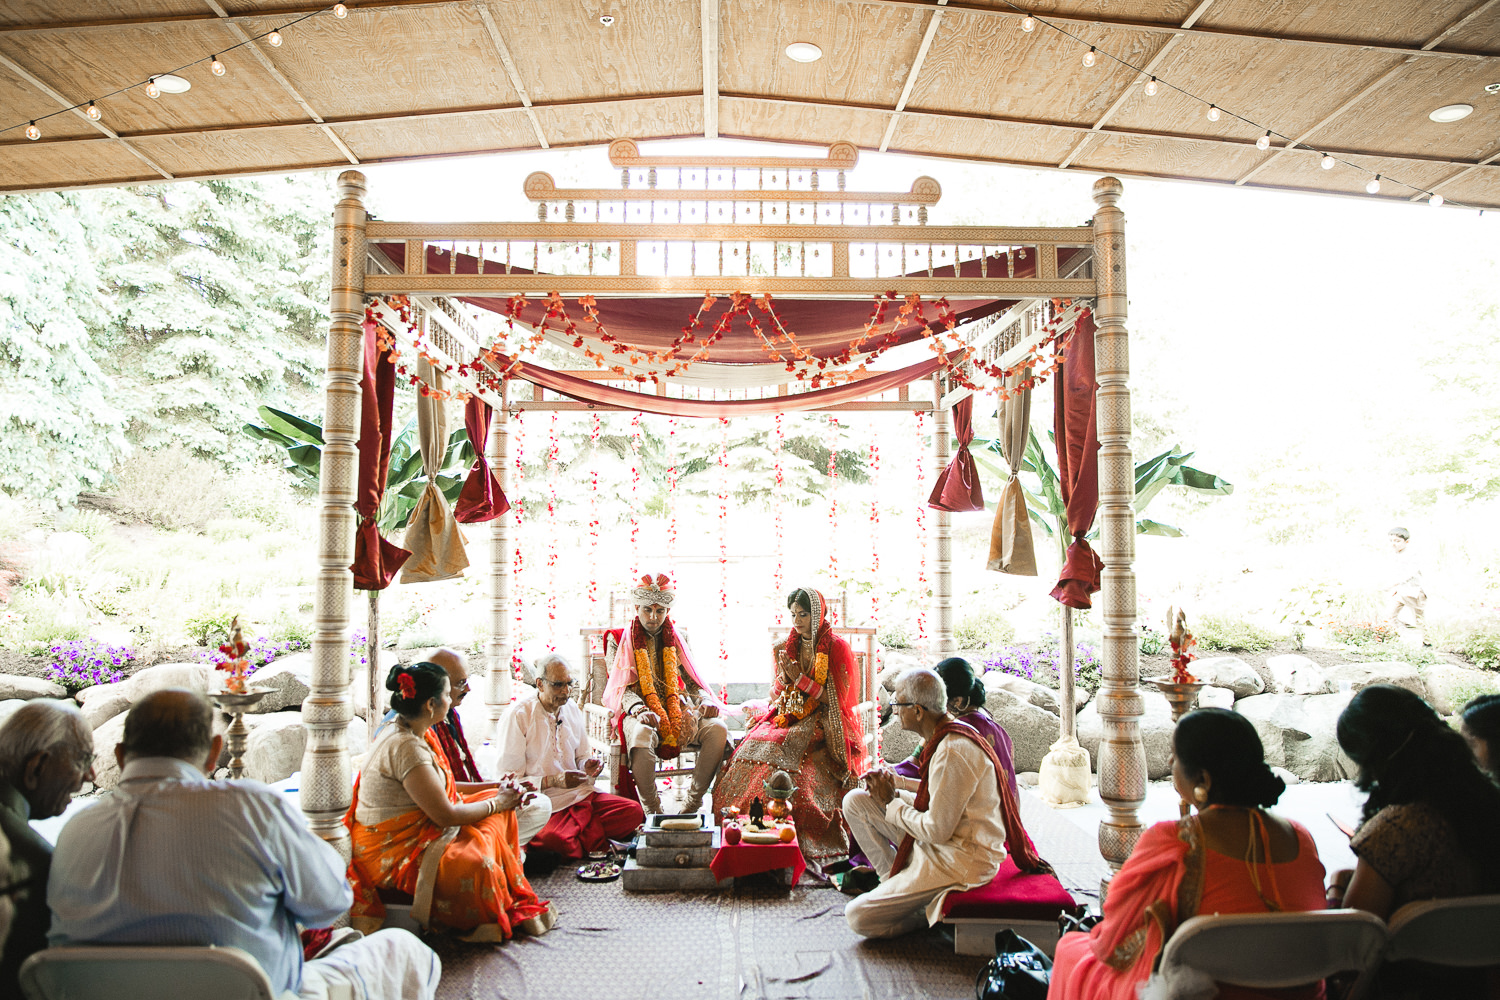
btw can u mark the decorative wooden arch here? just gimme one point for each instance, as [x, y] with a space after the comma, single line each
[360, 273]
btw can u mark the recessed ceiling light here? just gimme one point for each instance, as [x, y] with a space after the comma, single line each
[804, 52]
[608, 20]
[1452, 112]
[169, 84]
[1492, 88]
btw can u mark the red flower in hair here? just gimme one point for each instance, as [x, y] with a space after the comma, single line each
[407, 685]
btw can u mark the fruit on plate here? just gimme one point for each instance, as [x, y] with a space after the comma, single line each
[788, 834]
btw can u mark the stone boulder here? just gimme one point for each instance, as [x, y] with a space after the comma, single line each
[1298, 732]
[106, 736]
[1156, 732]
[896, 744]
[1450, 686]
[273, 750]
[1362, 675]
[104, 691]
[14, 686]
[1032, 730]
[895, 662]
[193, 676]
[1036, 694]
[1216, 697]
[1298, 674]
[9, 706]
[97, 711]
[290, 680]
[1229, 672]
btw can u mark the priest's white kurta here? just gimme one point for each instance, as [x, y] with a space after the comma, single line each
[535, 744]
[959, 841]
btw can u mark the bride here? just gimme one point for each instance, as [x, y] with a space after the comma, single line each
[810, 730]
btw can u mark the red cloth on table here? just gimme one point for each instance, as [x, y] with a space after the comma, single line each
[1011, 894]
[736, 860]
[957, 487]
[481, 499]
[589, 825]
[1077, 431]
[376, 560]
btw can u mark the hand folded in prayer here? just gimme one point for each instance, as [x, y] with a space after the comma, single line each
[572, 779]
[592, 767]
[881, 782]
[508, 796]
[648, 718]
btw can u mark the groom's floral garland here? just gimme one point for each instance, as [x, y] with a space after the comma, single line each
[670, 712]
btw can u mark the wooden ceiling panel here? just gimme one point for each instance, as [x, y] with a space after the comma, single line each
[21, 101]
[1285, 88]
[651, 118]
[1480, 33]
[40, 165]
[287, 147]
[473, 133]
[86, 64]
[1392, 22]
[1167, 157]
[867, 49]
[1399, 178]
[1477, 187]
[1160, 11]
[1395, 118]
[389, 61]
[982, 140]
[45, 11]
[563, 53]
[984, 65]
[793, 122]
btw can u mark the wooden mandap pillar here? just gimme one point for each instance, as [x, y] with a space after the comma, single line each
[1122, 755]
[943, 642]
[497, 688]
[327, 779]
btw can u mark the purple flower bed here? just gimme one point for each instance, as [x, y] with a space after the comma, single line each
[80, 663]
[262, 651]
[1039, 662]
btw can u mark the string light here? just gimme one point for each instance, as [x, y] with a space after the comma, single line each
[1088, 57]
[1264, 142]
[1436, 201]
[1213, 112]
[216, 67]
[1028, 23]
[274, 38]
[1374, 186]
[1327, 162]
[152, 90]
[32, 132]
[340, 11]
[1151, 87]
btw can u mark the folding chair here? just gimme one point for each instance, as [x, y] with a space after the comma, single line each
[1275, 950]
[1463, 932]
[134, 972]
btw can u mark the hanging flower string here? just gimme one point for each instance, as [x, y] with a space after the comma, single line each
[593, 515]
[672, 490]
[778, 499]
[518, 563]
[552, 533]
[635, 493]
[833, 501]
[874, 532]
[922, 527]
[723, 546]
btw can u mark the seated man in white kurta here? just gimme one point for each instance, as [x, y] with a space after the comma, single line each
[542, 740]
[951, 835]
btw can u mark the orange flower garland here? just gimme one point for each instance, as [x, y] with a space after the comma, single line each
[670, 714]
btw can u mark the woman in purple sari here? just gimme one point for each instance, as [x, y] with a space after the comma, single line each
[966, 697]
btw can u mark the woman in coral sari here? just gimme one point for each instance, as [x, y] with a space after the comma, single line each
[453, 848]
[1231, 856]
[811, 731]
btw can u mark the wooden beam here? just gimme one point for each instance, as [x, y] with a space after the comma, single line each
[708, 17]
[260, 13]
[911, 77]
[864, 405]
[503, 50]
[1492, 158]
[575, 232]
[1457, 25]
[684, 286]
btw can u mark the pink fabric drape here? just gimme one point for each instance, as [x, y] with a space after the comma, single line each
[481, 499]
[376, 560]
[957, 487]
[1077, 435]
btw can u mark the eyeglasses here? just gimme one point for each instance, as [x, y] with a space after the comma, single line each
[557, 685]
[904, 704]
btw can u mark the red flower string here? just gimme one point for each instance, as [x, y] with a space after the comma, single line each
[833, 501]
[593, 515]
[723, 544]
[518, 563]
[874, 532]
[922, 595]
[552, 533]
[635, 493]
[778, 499]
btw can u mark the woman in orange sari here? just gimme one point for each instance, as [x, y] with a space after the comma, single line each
[1231, 856]
[452, 847]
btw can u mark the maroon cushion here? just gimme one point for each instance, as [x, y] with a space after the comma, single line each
[1011, 896]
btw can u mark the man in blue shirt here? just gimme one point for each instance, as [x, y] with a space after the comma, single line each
[172, 857]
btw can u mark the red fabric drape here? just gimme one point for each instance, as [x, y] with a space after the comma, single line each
[376, 560]
[1077, 434]
[957, 487]
[482, 499]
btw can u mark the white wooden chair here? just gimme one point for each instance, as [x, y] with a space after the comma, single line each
[137, 972]
[861, 642]
[1275, 950]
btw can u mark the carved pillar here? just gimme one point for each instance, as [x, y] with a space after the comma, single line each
[327, 782]
[497, 688]
[1122, 755]
[942, 597]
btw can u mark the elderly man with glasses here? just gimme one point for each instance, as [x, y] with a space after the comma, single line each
[542, 740]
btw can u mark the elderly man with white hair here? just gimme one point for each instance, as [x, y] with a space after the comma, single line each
[950, 835]
[542, 739]
[46, 754]
[663, 706]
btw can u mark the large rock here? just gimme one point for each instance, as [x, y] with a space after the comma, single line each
[895, 662]
[193, 676]
[1032, 730]
[1298, 674]
[1216, 697]
[100, 710]
[1449, 687]
[105, 691]
[1229, 672]
[896, 744]
[8, 707]
[290, 680]
[1361, 675]
[273, 750]
[1299, 733]
[109, 733]
[1156, 733]
[25, 688]
[1039, 695]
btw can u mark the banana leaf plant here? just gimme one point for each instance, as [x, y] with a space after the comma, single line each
[303, 441]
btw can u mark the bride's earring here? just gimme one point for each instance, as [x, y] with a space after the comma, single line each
[1200, 795]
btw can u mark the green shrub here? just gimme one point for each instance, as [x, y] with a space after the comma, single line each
[293, 630]
[1466, 691]
[1152, 641]
[1482, 646]
[896, 635]
[983, 629]
[169, 488]
[210, 628]
[1220, 632]
[1362, 634]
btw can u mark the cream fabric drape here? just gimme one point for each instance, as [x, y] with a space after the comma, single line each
[432, 535]
[1011, 550]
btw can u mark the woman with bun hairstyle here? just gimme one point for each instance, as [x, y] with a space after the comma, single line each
[966, 698]
[452, 846]
[1231, 855]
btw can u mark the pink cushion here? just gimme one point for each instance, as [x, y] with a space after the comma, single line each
[1011, 896]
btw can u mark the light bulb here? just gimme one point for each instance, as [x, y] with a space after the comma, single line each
[1436, 201]
[1088, 57]
[1028, 23]
[1264, 142]
[216, 67]
[1327, 162]
[340, 11]
[1213, 113]
[152, 90]
[1374, 186]
[274, 38]
[32, 132]
[1151, 87]
[93, 112]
